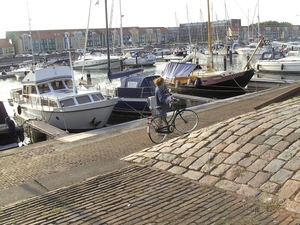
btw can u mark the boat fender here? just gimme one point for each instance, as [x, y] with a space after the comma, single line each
[197, 82]
[257, 67]
[19, 109]
[21, 134]
[11, 126]
[281, 66]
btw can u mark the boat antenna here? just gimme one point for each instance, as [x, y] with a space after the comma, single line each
[30, 33]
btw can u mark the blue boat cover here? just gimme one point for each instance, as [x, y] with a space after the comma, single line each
[137, 87]
[177, 69]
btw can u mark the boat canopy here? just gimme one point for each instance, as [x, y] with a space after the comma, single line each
[175, 69]
[137, 87]
[138, 81]
[44, 75]
[270, 55]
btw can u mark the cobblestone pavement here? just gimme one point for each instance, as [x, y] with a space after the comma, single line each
[240, 167]
[255, 155]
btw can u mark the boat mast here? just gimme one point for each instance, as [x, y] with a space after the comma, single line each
[211, 64]
[71, 63]
[86, 38]
[29, 20]
[107, 40]
[121, 29]
[189, 29]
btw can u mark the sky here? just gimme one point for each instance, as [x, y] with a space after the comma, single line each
[71, 14]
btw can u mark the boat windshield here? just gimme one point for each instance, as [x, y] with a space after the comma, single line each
[69, 83]
[56, 85]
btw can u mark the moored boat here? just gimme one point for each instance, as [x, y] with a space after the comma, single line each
[278, 62]
[133, 92]
[96, 62]
[50, 95]
[10, 133]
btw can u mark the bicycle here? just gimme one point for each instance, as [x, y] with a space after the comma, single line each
[183, 120]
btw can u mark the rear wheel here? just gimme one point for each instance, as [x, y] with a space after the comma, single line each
[186, 121]
[152, 131]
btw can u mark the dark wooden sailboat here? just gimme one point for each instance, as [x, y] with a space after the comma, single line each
[182, 76]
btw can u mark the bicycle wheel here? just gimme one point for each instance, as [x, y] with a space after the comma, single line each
[154, 136]
[186, 121]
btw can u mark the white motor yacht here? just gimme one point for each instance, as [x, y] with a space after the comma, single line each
[50, 95]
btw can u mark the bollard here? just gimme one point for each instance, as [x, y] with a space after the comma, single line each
[230, 57]
[225, 63]
[248, 57]
[121, 64]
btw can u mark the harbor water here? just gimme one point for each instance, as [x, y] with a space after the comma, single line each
[101, 81]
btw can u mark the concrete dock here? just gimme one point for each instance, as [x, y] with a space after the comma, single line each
[241, 166]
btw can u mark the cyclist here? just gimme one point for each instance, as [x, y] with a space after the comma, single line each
[162, 95]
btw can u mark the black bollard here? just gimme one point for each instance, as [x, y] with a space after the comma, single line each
[88, 77]
[230, 57]
[248, 57]
[225, 63]
[121, 64]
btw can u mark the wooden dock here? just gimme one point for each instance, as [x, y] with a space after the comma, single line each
[45, 128]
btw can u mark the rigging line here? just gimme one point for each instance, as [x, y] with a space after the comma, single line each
[132, 108]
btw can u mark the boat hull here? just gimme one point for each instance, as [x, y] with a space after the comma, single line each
[215, 86]
[97, 64]
[279, 67]
[74, 119]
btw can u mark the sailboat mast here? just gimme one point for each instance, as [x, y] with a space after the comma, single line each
[86, 37]
[121, 29]
[258, 29]
[187, 12]
[208, 28]
[107, 38]
[31, 38]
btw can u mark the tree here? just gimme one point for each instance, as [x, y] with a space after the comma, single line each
[273, 23]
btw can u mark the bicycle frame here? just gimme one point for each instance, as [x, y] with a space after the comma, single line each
[169, 128]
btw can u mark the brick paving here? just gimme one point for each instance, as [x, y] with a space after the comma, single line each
[141, 195]
[239, 167]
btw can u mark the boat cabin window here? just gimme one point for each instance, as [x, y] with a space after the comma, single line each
[25, 91]
[67, 102]
[43, 88]
[132, 84]
[83, 99]
[33, 90]
[49, 103]
[57, 85]
[97, 97]
[69, 83]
